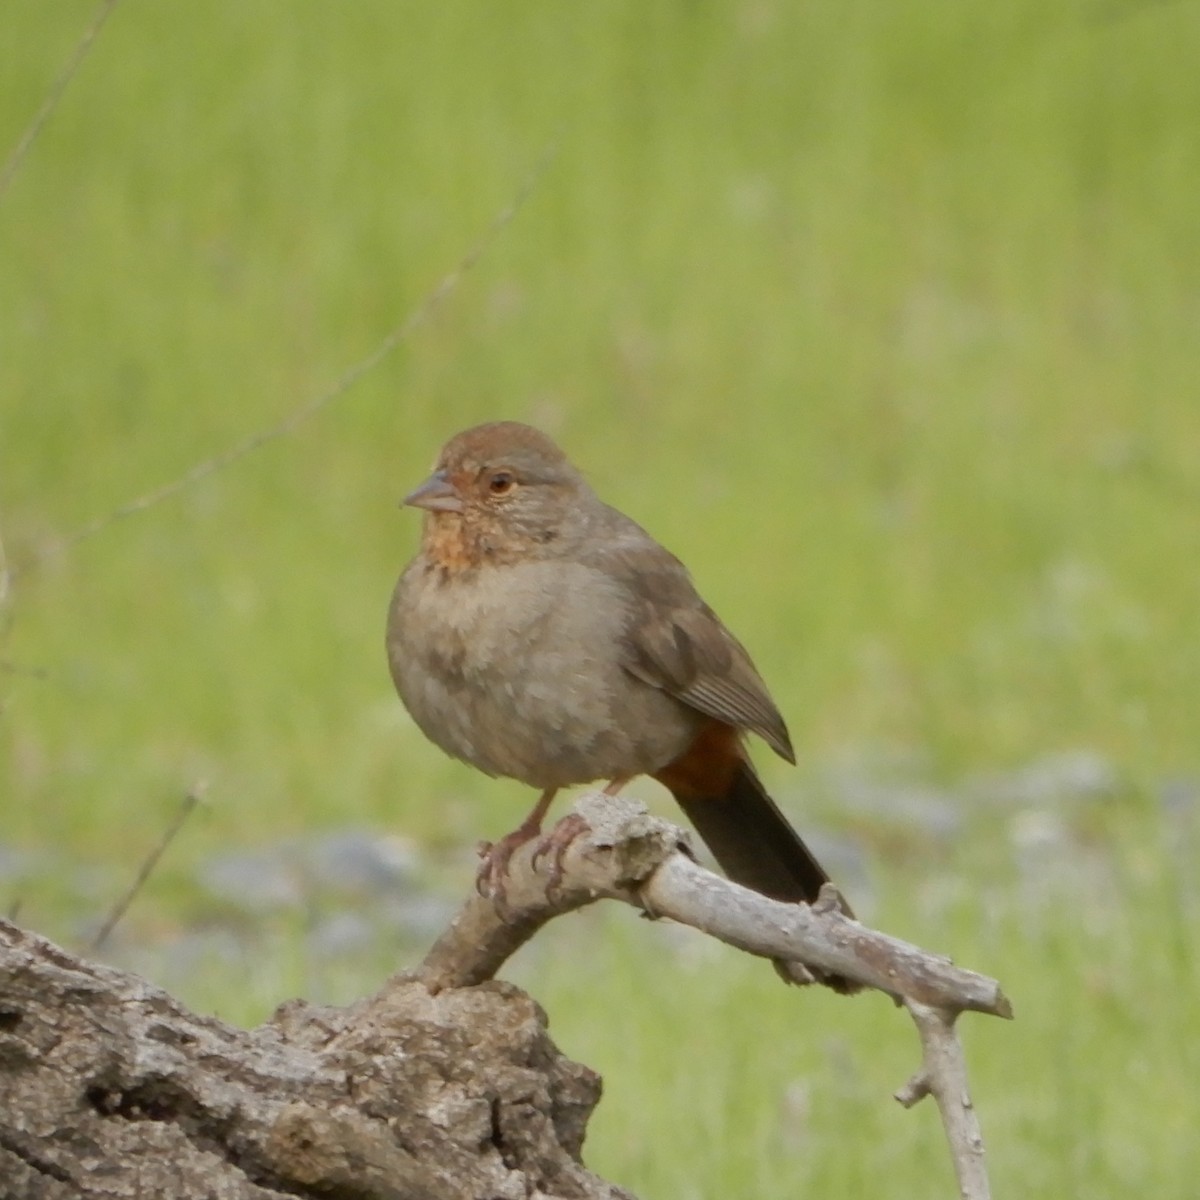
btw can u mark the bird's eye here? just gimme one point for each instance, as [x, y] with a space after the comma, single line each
[501, 482]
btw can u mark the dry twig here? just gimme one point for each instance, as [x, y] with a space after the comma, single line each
[53, 96]
[148, 864]
[631, 856]
[628, 855]
[310, 408]
[943, 1075]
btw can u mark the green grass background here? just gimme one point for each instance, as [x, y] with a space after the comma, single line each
[884, 317]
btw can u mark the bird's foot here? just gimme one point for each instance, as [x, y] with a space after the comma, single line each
[553, 846]
[491, 880]
[805, 975]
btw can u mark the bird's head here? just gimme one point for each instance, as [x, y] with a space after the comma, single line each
[499, 492]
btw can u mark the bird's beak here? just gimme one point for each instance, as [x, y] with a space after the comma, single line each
[437, 494]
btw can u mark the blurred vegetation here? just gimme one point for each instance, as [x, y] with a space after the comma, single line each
[883, 317]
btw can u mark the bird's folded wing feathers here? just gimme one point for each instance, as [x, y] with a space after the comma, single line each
[675, 642]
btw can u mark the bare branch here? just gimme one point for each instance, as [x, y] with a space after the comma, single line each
[630, 856]
[54, 95]
[943, 1075]
[310, 408]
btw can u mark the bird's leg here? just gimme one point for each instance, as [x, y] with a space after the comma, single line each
[493, 870]
[555, 843]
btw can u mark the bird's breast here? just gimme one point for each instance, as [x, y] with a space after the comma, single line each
[517, 670]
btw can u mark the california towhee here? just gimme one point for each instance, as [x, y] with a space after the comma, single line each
[542, 635]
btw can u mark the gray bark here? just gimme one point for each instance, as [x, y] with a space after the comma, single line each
[111, 1088]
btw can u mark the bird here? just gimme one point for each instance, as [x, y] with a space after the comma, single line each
[541, 635]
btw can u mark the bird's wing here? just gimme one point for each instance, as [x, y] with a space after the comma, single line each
[675, 642]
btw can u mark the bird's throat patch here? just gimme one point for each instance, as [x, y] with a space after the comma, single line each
[447, 545]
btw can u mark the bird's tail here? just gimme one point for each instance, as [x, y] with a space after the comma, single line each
[753, 841]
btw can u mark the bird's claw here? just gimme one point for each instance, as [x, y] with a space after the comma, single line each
[553, 846]
[491, 880]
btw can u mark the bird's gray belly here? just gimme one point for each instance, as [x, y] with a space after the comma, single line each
[520, 682]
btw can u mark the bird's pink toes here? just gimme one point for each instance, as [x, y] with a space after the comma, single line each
[553, 846]
[491, 880]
